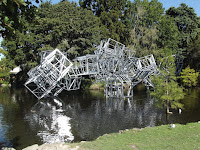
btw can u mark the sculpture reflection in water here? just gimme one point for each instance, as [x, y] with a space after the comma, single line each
[52, 124]
[101, 116]
[75, 119]
[112, 115]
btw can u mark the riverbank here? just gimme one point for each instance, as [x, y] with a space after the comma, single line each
[185, 137]
[160, 137]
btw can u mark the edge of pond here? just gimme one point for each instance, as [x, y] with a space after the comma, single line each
[135, 138]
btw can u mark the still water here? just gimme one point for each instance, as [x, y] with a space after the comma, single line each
[77, 116]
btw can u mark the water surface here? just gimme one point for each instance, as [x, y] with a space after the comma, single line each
[77, 116]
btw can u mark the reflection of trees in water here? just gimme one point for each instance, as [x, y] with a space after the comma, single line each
[13, 103]
[92, 116]
[111, 115]
[51, 123]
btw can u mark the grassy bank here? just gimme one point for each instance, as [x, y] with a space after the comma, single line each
[186, 137]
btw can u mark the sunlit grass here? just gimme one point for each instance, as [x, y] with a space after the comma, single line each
[184, 137]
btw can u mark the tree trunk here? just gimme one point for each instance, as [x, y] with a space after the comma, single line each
[167, 105]
[167, 93]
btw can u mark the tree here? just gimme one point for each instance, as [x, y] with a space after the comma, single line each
[187, 22]
[193, 57]
[67, 27]
[5, 67]
[21, 48]
[153, 11]
[11, 12]
[113, 16]
[168, 37]
[189, 77]
[144, 32]
[167, 92]
[64, 26]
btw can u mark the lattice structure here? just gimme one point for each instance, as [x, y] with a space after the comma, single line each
[44, 78]
[112, 63]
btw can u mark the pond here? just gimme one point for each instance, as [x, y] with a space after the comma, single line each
[82, 116]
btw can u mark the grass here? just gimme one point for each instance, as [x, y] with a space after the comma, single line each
[184, 137]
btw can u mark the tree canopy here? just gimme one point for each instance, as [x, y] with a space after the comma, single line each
[187, 22]
[68, 27]
[11, 14]
[64, 26]
[140, 24]
[113, 17]
[167, 92]
[189, 77]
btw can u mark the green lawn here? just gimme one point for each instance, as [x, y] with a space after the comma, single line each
[182, 137]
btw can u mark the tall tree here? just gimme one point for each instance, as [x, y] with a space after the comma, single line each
[167, 92]
[189, 77]
[193, 57]
[153, 11]
[11, 12]
[187, 23]
[113, 16]
[67, 27]
[144, 32]
[168, 36]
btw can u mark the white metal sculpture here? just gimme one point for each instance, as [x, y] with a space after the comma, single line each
[112, 63]
[44, 78]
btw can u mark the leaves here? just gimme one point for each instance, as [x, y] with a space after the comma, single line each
[144, 34]
[166, 89]
[113, 17]
[187, 21]
[69, 27]
[189, 77]
[11, 12]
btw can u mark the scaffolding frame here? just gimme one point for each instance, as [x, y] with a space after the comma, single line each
[112, 63]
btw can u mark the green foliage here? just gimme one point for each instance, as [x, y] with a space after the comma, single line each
[189, 77]
[11, 12]
[187, 23]
[67, 27]
[113, 16]
[4, 71]
[64, 25]
[168, 37]
[193, 57]
[144, 33]
[21, 48]
[5, 67]
[4, 76]
[166, 90]
[153, 10]
[97, 86]
[167, 93]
